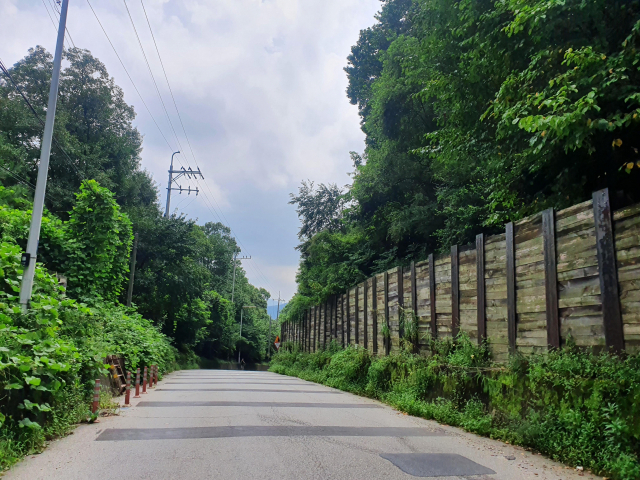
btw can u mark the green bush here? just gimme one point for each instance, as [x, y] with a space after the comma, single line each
[572, 405]
[51, 354]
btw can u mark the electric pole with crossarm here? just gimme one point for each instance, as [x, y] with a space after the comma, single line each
[172, 180]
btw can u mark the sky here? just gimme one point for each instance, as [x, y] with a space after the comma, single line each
[259, 85]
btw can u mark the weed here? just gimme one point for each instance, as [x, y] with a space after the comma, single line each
[572, 405]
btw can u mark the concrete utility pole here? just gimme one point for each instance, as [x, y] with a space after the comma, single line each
[30, 256]
[180, 173]
[132, 272]
[233, 285]
[241, 311]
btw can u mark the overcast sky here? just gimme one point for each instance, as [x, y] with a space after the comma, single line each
[261, 91]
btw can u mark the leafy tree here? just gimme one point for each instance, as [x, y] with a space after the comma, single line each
[93, 126]
[319, 209]
[99, 244]
[477, 113]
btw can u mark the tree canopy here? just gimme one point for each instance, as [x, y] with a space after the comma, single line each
[98, 197]
[477, 113]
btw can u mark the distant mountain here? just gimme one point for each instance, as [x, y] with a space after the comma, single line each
[273, 310]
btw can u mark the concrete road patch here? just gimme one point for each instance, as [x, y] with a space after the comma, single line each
[436, 464]
[123, 434]
[245, 390]
[258, 404]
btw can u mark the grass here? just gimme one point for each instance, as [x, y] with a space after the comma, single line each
[574, 406]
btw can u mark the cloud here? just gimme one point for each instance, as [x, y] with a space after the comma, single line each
[261, 91]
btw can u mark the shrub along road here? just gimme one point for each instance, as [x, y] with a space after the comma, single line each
[244, 425]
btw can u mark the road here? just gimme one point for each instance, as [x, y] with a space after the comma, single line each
[217, 424]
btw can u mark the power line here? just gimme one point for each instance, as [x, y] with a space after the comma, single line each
[131, 79]
[168, 84]
[164, 71]
[55, 7]
[135, 30]
[18, 178]
[50, 17]
[208, 202]
[33, 110]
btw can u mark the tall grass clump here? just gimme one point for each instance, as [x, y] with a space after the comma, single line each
[570, 404]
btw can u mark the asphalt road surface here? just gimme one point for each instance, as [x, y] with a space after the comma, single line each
[221, 424]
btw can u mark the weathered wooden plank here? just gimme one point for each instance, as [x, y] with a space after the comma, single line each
[551, 278]
[366, 314]
[455, 292]
[630, 211]
[348, 317]
[400, 281]
[374, 306]
[414, 290]
[574, 209]
[580, 287]
[580, 301]
[432, 296]
[357, 317]
[387, 339]
[578, 263]
[511, 286]
[614, 335]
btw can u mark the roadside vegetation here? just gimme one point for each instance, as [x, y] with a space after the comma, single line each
[575, 407]
[98, 197]
[476, 113]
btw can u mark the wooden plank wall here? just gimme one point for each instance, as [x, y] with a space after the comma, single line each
[548, 281]
[627, 239]
[443, 295]
[468, 285]
[579, 300]
[531, 318]
[424, 303]
[394, 311]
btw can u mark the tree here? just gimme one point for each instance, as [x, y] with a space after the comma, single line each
[93, 126]
[319, 209]
[477, 113]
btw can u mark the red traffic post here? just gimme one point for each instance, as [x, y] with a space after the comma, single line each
[155, 375]
[152, 374]
[144, 381]
[96, 397]
[127, 394]
[137, 395]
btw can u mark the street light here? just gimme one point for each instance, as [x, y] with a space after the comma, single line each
[241, 312]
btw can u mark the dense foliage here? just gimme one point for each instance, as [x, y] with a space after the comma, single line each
[51, 354]
[476, 112]
[571, 405]
[97, 198]
[184, 271]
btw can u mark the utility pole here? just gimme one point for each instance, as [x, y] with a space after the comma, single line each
[233, 285]
[30, 256]
[180, 173]
[132, 272]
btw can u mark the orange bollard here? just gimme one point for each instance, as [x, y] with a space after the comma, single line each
[127, 394]
[155, 374]
[144, 381]
[96, 397]
[137, 395]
